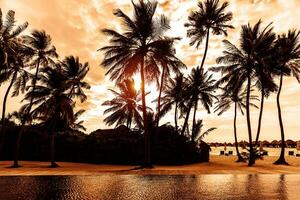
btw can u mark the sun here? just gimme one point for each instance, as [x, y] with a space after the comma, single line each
[137, 82]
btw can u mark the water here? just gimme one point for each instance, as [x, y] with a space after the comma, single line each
[271, 151]
[154, 187]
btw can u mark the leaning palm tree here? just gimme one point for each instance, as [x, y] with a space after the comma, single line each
[211, 17]
[173, 95]
[131, 51]
[52, 103]
[200, 88]
[244, 62]
[287, 61]
[238, 98]
[124, 107]
[76, 72]
[38, 46]
[9, 44]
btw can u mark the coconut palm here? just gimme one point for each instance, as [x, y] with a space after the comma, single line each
[38, 46]
[286, 57]
[76, 72]
[211, 17]
[131, 51]
[78, 125]
[200, 87]
[198, 134]
[9, 45]
[244, 62]
[164, 54]
[238, 98]
[52, 103]
[124, 107]
[173, 95]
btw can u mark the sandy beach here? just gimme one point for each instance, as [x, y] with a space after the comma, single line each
[217, 165]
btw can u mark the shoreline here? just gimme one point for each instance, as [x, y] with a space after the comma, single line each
[217, 165]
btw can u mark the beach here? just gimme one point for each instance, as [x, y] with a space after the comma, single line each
[217, 165]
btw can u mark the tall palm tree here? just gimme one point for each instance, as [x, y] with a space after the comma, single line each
[42, 53]
[131, 51]
[286, 57]
[9, 44]
[211, 17]
[52, 103]
[201, 87]
[173, 94]
[244, 62]
[124, 107]
[76, 72]
[238, 98]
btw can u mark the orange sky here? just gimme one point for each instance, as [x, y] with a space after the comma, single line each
[74, 26]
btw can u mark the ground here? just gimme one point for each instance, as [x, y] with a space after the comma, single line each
[217, 165]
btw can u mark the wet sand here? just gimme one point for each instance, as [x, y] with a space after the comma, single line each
[217, 165]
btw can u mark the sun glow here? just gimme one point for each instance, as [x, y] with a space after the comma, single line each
[137, 82]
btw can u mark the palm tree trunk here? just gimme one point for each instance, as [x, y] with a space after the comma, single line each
[194, 119]
[260, 116]
[148, 162]
[22, 129]
[186, 118]
[240, 158]
[251, 152]
[52, 150]
[175, 116]
[3, 128]
[281, 159]
[206, 48]
[159, 96]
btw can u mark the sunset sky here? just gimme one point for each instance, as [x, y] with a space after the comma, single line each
[75, 25]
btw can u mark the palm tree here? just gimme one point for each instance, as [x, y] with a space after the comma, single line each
[238, 98]
[78, 125]
[9, 45]
[131, 51]
[76, 72]
[198, 134]
[173, 94]
[211, 17]
[245, 62]
[52, 103]
[200, 87]
[125, 107]
[38, 46]
[286, 57]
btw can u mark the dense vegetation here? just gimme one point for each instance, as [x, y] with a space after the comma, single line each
[51, 87]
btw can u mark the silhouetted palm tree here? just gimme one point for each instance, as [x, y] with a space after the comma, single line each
[173, 94]
[9, 45]
[52, 102]
[200, 87]
[198, 135]
[244, 62]
[211, 17]
[238, 98]
[76, 72]
[164, 54]
[131, 51]
[78, 125]
[125, 107]
[42, 52]
[286, 57]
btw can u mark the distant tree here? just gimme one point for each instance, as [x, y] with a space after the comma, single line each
[287, 61]
[76, 73]
[200, 88]
[131, 51]
[124, 107]
[173, 95]
[211, 17]
[38, 46]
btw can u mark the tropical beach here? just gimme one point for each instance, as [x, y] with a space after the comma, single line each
[149, 99]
